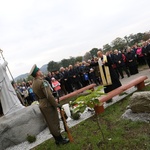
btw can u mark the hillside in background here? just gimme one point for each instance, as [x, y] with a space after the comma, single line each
[24, 76]
[44, 68]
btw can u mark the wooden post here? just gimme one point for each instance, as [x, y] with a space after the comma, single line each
[141, 85]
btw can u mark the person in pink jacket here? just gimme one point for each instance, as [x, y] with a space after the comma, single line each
[140, 56]
[56, 86]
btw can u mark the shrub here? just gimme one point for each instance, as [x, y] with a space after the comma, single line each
[75, 116]
[31, 138]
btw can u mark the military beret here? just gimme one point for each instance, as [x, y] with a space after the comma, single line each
[34, 70]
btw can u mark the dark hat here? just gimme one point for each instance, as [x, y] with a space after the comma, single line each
[34, 70]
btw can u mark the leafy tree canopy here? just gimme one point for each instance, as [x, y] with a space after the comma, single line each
[53, 66]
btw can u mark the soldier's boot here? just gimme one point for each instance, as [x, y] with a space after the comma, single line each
[59, 140]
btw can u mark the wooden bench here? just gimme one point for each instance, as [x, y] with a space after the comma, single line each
[89, 87]
[138, 82]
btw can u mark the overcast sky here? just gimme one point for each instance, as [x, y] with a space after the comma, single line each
[38, 31]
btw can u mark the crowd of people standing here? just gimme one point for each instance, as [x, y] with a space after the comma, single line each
[83, 73]
[25, 92]
[67, 79]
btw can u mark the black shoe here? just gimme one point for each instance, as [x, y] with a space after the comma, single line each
[62, 141]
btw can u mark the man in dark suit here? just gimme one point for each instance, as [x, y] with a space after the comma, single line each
[120, 64]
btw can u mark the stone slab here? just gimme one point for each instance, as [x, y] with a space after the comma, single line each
[15, 127]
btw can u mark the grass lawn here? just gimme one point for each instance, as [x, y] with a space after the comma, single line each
[119, 134]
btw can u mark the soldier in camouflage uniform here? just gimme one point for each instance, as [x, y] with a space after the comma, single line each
[47, 104]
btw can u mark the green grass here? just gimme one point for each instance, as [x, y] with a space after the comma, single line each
[119, 134]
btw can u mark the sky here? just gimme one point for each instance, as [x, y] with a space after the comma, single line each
[39, 31]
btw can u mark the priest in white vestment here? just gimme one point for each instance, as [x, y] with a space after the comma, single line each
[109, 77]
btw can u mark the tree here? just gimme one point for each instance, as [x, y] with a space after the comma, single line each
[87, 56]
[78, 59]
[52, 66]
[127, 40]
[106, 47]
[29, 78]
[118, 43]
[136, 38]
[94, 52]
[65, 62]
[140, 36]
[146, 36]
[72, 60]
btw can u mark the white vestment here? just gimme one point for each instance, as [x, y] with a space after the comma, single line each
[8, 97]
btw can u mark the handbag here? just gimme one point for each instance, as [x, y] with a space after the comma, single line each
[86, 77]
